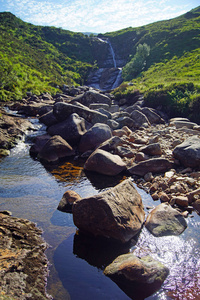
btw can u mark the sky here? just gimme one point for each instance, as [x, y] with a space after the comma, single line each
[96, 16]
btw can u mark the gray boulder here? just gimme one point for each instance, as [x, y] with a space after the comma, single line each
[165, 220]
[180, 124]
[93, 96]
[94, 137]
[137, 277]
[139, 119]
[153, 165]
[188, 153]
[95, 106]
[152, 149]
[48, 119]
[63, 110]
[125, 121]
[55, 149]
[152, 116]
[117, 213]
[70, 129]
[39, 143]
[103, 162]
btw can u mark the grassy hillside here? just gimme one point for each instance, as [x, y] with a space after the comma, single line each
[39, 58]
[170, 79]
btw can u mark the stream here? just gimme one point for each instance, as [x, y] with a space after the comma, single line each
[33, 191]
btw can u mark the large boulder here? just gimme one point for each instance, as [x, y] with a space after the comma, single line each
[94, 137]
[137, 277]
[70, 129]
[180, 124]
[103, 162]
[63, 110]
[93, 96]
[55, 149]
[39, 143]
[153, 165]
[165, 220]
[139, 119]
[125, 121]
[188, 153]
[48, 118]
[152, 115]
[117, 213]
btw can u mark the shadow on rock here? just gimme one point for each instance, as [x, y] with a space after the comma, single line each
[101, 182]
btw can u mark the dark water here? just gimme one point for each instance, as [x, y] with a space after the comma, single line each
[33, 191]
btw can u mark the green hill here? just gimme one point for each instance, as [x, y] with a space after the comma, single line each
[41, 58]
[170, 77]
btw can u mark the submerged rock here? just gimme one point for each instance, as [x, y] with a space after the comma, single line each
[137, 277]
[116, 213]
[165, 220]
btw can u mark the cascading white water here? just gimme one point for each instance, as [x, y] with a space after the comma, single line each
[113, 54]
[109, 76]
[118, 80]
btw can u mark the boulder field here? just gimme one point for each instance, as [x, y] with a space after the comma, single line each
[160, 155]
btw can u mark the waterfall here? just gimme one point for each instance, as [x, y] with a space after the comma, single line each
[118, 79]
[113, 54]
[108, 76]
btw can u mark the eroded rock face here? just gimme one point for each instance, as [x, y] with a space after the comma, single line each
[23, 264]
[116, 213]
[165, 220]
[103, 162]
[137, 277]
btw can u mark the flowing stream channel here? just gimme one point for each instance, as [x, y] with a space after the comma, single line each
[30, 190]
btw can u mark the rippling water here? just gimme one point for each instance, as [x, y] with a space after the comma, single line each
[31, 191]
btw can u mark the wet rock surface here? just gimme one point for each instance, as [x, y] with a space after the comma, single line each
[140, 144]
[117, 213]
[12, 129]
[23, 264]
[137, 277]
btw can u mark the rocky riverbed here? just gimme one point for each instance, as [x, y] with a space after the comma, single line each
[119, 137]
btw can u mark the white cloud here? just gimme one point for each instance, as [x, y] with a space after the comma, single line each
[95, 16]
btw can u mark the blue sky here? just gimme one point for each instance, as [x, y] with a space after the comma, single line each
[98, 16]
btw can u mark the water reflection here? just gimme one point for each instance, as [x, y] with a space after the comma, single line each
[33, 191]
[82, 280]
[98, 252]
